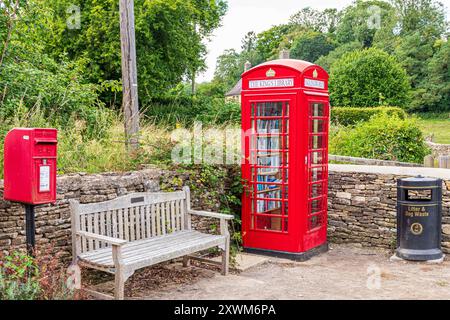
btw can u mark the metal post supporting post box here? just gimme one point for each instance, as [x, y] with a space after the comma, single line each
[30, 226]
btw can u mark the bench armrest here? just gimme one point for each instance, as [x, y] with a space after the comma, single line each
[211, 214]
[93, 236]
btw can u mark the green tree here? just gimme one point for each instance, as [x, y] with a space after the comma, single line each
[310, 46]
[268, 42]
[424, 16]
[369, 78]
[328, 60]
[433, 94]
[364, 21]
[31, 79]
[310, 19]
[170, 38]
[229, 68]
[413, 53]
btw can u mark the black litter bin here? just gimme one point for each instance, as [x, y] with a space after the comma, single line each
[419, 219]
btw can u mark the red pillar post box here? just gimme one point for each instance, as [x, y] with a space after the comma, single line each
[285, 120]
[30, 157]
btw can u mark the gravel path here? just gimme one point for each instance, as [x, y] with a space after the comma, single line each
[346, 272]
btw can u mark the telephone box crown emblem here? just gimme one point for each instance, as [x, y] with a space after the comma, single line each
[315, 73]
[271, 73]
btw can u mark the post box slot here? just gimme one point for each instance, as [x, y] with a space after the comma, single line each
[45, 141]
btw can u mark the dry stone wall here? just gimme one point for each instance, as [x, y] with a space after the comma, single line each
[362, 204]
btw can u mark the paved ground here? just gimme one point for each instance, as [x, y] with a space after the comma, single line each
[346, 272]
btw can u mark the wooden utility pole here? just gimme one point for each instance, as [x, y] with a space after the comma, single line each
[129, 74]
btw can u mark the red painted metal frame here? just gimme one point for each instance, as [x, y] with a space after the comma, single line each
[26, 151]
[299, 237]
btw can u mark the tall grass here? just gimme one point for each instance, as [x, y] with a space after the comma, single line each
[101, 150]
[99, 145]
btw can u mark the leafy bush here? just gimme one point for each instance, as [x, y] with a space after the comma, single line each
[23, 277]
[384, 137]
[220, 112]
[18, 278]
[348, 116]
[56, 89]
[369, 78]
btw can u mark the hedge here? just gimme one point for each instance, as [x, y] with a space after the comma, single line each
[383, 137]
[349, 116]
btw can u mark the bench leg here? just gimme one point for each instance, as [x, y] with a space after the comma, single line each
[186, 261]
[226, 257]
[120, 278]
[119, 292]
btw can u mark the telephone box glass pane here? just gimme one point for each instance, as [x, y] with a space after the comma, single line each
[315, 222]
[269, 143]
[316, 190]
[270, 109]
[317, 142]
[268, 206]
[317, 126]
[269, 223]
[317, 174]
[317, 158]
[316, 206]
[268, 126]
[317, 110]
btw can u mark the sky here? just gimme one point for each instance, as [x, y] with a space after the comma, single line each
[258, 15]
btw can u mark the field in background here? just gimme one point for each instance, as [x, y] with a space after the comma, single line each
[436, 125]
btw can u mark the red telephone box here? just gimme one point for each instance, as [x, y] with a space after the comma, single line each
[30, 165]
[285, 119]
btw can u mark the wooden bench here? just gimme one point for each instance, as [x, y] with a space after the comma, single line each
[140, 230]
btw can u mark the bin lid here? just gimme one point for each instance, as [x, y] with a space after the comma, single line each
[420, 181]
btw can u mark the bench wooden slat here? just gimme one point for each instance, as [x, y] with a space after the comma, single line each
[102, 223]
[121, 223]
[137, 223]
[154, 248]
[162, 248]
[129, 201]
[158, 219]
[98, 244]
[153, 214]
[143, 223]
[103, 255]
[126, 218]
[183, 214]
[148, 222]
[108, 223]
[132, 224]
[178, 253]
[139, 244]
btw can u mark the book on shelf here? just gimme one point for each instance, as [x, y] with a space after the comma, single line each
[269, 126]
[270, 188]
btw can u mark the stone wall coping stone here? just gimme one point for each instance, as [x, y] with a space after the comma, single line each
[399, 171]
